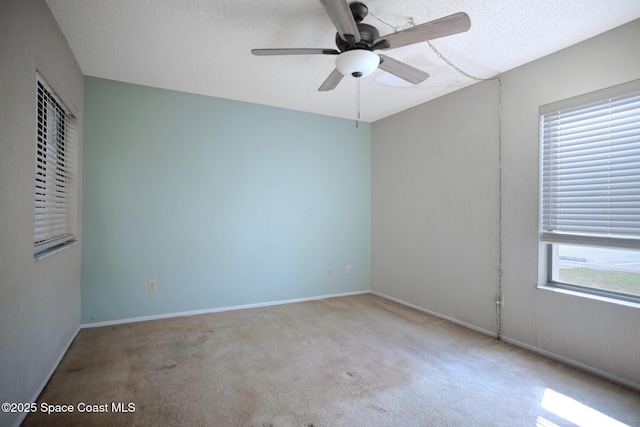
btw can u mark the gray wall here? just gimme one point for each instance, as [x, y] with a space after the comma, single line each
[224, 203]
[435, 209]
[40, 300]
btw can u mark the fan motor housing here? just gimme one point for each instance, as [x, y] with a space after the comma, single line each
[368, 35]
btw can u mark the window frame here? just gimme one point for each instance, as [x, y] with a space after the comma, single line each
[52, 235]
[550, 249]
[550, 240]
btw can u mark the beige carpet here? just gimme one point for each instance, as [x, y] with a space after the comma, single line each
[350, 361]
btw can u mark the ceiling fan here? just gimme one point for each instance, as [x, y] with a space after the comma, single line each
[356, 42]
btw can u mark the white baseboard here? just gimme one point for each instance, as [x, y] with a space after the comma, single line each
[441, 316]
[215, 310]
[572, 363]
[517, 343]
[520, 344]
[48, 376]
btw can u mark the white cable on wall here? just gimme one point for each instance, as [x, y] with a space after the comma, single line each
[498, 78]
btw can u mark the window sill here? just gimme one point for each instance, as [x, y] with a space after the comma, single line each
[601, 298]
[54, 250]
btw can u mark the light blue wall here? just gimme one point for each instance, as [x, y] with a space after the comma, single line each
[222, 202]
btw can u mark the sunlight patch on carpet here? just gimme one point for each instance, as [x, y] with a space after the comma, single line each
[543, 422]
[576, 412]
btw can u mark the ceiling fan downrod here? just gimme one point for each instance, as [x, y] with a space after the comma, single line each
[368, 33]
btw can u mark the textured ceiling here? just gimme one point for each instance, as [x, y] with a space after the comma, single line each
[203, 46]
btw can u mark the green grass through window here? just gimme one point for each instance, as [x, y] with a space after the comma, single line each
[612, 280]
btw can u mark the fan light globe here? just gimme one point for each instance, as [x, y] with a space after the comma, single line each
[357, 62]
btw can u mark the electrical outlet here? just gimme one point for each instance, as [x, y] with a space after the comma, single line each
[349, 269]
[500, 300]
[153, 285]
[329, 271]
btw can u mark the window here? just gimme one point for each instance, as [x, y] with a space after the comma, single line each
[590, 192]
[55, 167]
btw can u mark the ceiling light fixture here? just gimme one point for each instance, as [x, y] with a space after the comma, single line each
[357, 62]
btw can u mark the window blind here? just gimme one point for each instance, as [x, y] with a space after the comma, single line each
[55, 162]
[590, 180]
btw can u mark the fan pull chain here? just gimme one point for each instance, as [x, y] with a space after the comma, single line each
[357, 101]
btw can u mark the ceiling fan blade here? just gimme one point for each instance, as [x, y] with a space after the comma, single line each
[294, 51]
[331, 82]
[449, 25]
[342, 19]
[402, 70]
